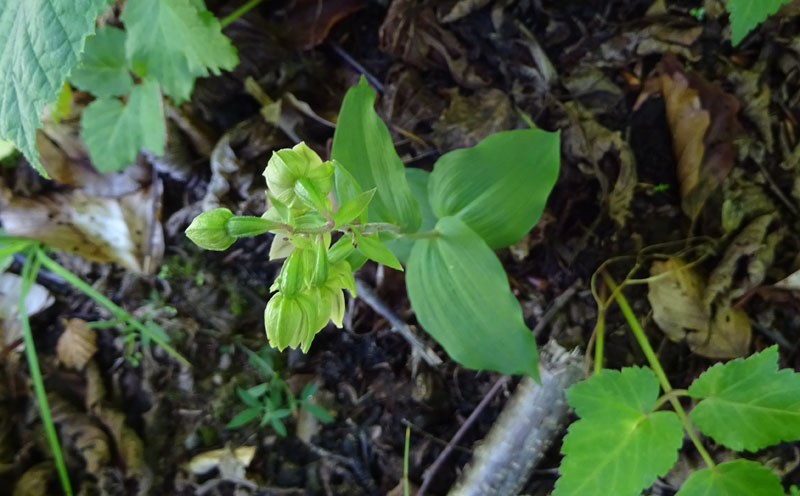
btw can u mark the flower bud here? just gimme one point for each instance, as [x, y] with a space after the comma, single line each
[293, 274]
[288, 321]
[288, 166]
[208, 231]
[320, 274]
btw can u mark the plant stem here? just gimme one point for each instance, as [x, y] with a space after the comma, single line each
[405, 461]
[247, 7]
[29, 271]
[652, 359]
[115, 309]
[599, 343]
[675, 393]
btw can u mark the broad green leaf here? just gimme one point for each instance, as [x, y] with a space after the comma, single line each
[748, 403]
[114, 133]
[372, 248]
[40, 42]
[747, 14]
[619, 444]
[418, 182]
[174, 42]
[243, 418]
[498, 187]
[352, 208]
[362, 145]
[103, 69]
[460, 294]
[734, 478]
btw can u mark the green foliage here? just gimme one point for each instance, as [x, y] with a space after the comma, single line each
[460, 294]
[115, 132]
[734, 478]
[620, 443]
[271, 401]
[748, 404]
[498, 187]
[175, 42]
[747, 14]
[40, 43]
[103, 69]
[363, 146]
[491, 193]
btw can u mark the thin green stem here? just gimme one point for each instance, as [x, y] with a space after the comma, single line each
[115, 309]
[405, 461]
[29, 271]
[599, 343]
[652, 359]
[423, 235]
[675, 393]
[375, 227]
[247, 7]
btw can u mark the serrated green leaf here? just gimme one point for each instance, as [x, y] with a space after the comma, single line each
[418, 182]
[114, 133]
[363, 146]
[498, 187]
[619, 444]
[40, 42]
[747, 14]
[175, 42]
[734, 478]
[243, 418]
[352, 208]
[372, 248]
[748, 403]
[103, 69]
[460, 294]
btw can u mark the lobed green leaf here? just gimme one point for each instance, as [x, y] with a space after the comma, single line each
[498, 187]
[460, 294]
[114, 133]
[103, 69]
[747, 14]
[734, 478]
[619, 444]
[748, 403]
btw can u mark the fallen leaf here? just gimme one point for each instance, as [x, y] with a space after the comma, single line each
[469, 119]
[702, 118]
[35, 480]
[125, 229]
[38, 299]
[308, 22]
[462, 9]
[77, 344]
[209, 460]
[676, 293]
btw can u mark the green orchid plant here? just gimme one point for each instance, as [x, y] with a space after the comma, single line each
[329, 217]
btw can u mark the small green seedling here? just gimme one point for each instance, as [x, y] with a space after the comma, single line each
[272, 400]
[329, 217]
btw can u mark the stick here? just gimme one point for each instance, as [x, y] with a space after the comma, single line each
[527, 426]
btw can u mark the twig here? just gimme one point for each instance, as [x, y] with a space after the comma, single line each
[370, 298]
[360, 68]
[556, 307]
[527, 426]
[460, 433]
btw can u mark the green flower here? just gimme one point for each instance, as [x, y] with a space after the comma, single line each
[290, 321]
[299, 179]
[208, 231]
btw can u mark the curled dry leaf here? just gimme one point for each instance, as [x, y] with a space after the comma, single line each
[676, 295]
[77, 344]
[209, 460]
[37, 300]
[470, 119]
[310, 21]
[702, 118]
[125, 229]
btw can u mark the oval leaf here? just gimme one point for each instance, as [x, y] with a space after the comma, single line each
[352, 208]
[499, 186]
[461, 296]
[363, 146]
[372, 248]
[418, 181]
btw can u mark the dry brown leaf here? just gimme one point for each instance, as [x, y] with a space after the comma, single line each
[209, 460]
[469, 119]
[676, 294]
[37, 300]
[125, 229]
[35, 480]
[310, 21]
[702, 118]
[77, 344]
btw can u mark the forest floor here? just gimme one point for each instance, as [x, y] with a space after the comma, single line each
[677, 148]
